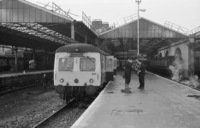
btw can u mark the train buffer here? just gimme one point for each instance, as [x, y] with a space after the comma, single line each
[162, 104]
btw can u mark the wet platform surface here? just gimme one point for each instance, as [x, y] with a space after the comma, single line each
[162, 104]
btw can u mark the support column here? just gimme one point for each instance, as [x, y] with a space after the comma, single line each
[16, 59]
[191, 57]
[33, 54]
[85, 39]
[72, 31]
[34, 63]
[96, 41]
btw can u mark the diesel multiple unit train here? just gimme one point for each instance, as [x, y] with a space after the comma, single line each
[81, 69]
[160, 65]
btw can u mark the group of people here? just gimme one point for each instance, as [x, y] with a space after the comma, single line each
[140, 69]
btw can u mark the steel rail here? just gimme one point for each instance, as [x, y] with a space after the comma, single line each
[47, 119]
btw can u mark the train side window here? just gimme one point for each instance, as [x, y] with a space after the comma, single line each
[87, 64]
[102, 63]
[66, 64]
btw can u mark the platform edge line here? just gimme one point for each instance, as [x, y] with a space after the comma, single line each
[76, 124]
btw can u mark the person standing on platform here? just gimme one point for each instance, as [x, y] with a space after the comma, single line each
[127, 75]
[141, 71]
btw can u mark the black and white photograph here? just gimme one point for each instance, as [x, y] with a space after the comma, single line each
[99, 64]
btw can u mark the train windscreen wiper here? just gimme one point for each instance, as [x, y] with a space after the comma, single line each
[90, 59]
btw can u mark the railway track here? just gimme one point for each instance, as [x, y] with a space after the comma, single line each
[10, 91]
[67, 114]
[25, 87]
[55, 114]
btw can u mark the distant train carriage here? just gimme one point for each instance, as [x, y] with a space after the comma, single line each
[78, 69]
[110, 67]
[4, 64]
[8, 63]
[43, 61]
[161, 65]
[115, 65]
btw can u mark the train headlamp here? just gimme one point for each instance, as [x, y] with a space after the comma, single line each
[61, 80]
[91, 80]
[76, 80]
[76, 50]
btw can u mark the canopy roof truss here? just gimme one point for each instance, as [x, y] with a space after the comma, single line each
[24, 24]
[38, 30]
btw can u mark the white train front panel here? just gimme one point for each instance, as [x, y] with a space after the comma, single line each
[77, 69]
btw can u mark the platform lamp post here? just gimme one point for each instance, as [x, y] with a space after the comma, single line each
[138, 26]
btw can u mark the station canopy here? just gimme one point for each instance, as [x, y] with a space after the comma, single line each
[24, 24]
[151, 35]
[196, 34]
[195, 37]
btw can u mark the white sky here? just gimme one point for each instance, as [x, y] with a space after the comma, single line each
[185, 13]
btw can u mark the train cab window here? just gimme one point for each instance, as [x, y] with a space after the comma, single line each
[109, 63]
[87, 64]
[66, 64]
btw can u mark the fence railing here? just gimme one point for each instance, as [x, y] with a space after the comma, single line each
[176, 27]
[195, 30]
[86, 20]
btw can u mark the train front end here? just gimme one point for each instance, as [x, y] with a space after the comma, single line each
[77, 73]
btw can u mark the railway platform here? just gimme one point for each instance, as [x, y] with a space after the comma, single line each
[162, 104]
[11, 82]
[27, 72]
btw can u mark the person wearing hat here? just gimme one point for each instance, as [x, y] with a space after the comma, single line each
[127, 75]
[141, 71]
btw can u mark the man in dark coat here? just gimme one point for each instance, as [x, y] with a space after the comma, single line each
[127, 74]
[141, 71]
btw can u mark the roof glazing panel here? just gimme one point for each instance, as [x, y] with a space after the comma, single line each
[148, 29]
[24, 11]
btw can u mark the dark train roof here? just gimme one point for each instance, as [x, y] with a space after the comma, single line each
[80, 48]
